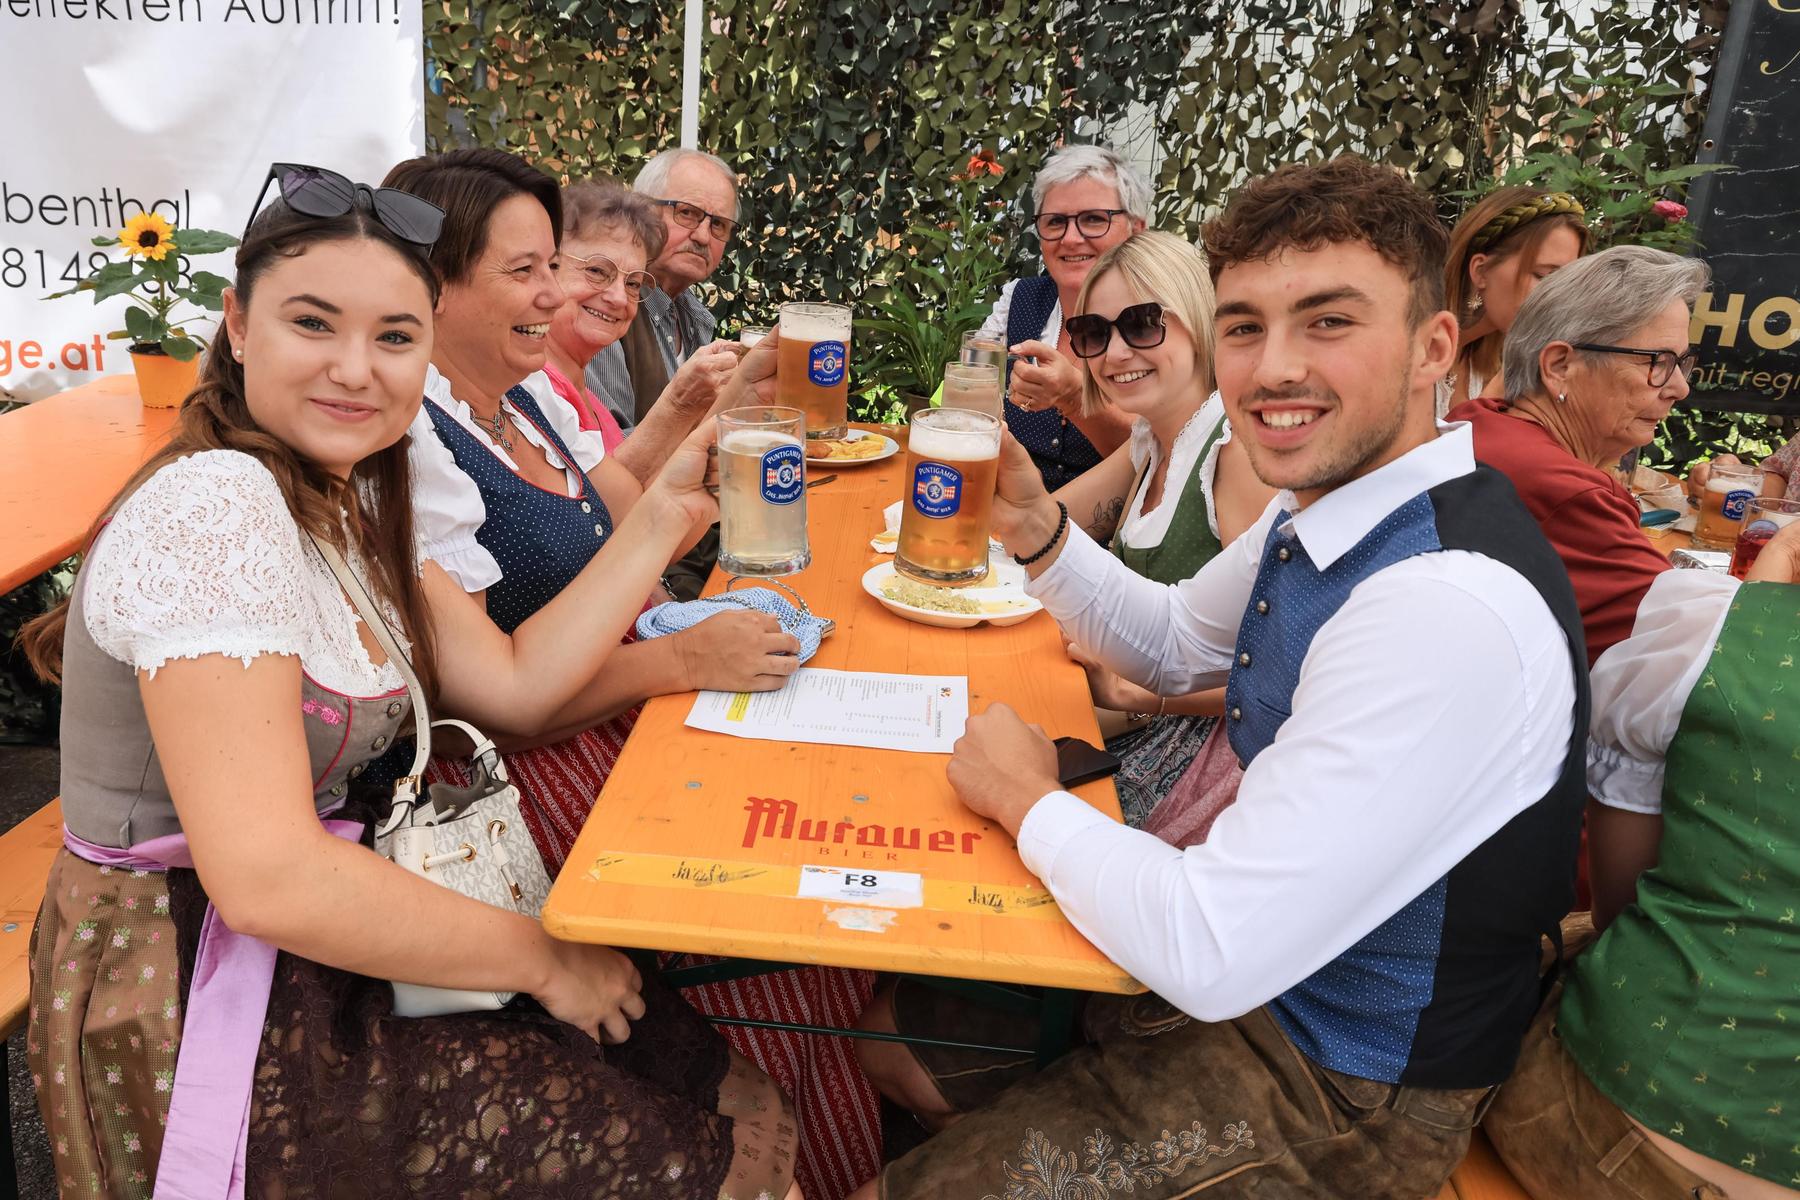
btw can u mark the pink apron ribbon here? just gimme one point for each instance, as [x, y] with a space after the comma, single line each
[229, 999]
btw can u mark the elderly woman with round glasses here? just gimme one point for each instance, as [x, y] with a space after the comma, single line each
[1087, 199]
[609, 235]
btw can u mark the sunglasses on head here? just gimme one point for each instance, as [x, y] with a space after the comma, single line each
[316, 192]
[1141, 325]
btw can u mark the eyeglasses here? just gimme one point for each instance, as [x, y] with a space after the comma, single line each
[599, 272]
[1092, 223]
[689, 216]
[316, 192]
[1663, 363]
[1141, 325]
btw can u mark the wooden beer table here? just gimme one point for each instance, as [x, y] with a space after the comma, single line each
[697, 842]
[62, 459]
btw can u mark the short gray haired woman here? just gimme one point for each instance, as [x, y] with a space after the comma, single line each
[1085, 201]
[1596, 358]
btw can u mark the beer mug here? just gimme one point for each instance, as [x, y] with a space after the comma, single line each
[762, 491]
[952, 457]
[974, 386]
[1763, 519]
[749, 335]
[985, 348]
[812, 370]
[1729, 488]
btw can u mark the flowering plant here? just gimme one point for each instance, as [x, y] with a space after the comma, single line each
[155, 274]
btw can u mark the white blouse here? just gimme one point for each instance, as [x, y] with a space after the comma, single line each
[1641, 685]
[1144, 530]
[205, 558]
[447, 504]
[995, 325]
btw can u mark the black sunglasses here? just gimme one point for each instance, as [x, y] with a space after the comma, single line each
[1663, 363]
[1141, 325]
[1092, 223]
[316, 192]
[689, 216]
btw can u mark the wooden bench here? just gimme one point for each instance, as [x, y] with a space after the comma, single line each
[1482, 1176]
[25, 854]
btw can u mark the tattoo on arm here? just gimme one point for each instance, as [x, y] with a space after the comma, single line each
[1106, 518]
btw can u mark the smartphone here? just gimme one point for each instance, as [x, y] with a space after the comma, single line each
[1077, 762]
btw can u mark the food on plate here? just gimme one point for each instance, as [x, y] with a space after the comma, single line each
[935, 599]
[844, 449]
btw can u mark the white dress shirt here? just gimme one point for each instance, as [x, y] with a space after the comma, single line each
[1641, 685]
[1431, 708]
[447, 505]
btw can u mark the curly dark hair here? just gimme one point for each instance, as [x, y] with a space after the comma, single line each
[1344, 199]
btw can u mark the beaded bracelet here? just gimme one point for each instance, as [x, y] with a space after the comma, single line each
[1062, 523]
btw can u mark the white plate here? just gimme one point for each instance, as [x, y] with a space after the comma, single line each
[856, 435]
[1006, 581]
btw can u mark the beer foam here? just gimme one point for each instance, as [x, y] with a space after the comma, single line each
[814, 327]
[755, 441]
[1716, 484]
[957, 443]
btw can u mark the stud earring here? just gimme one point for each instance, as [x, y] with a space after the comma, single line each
[1477, 304]
[238, 354]
[1562, 397]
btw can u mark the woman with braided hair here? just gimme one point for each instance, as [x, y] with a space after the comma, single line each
[1502, 248]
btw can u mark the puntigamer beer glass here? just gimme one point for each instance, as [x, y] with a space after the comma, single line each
[812, 371]
[952, 456]
[762, 491]
[1729, 488]
[974, 386]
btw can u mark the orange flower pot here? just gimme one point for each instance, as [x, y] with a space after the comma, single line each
[164, 382]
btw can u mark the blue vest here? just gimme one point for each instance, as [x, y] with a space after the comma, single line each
[1439, 994]
[541, 539]
[1060, 450]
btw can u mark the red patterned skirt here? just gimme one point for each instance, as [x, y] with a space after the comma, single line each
[840, 1122]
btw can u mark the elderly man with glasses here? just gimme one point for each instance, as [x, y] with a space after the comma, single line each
[1085, 201]
[696, 195]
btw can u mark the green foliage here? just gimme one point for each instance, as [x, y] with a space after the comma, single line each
[29, 708]
[158, 282]
[938, 283]
[849, 121]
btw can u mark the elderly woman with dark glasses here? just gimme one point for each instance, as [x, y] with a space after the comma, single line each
[1086, 199]
[1596, 357]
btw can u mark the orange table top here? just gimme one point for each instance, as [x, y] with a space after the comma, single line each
[61, 460]
[698, 840]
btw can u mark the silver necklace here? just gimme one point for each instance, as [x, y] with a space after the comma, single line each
[497, 426]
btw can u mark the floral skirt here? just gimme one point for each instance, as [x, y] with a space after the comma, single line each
[839, 1114]
[351, 1101]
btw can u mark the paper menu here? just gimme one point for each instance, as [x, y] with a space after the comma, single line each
[922, 713]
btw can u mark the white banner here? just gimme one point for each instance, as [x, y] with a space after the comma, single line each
[111, 107]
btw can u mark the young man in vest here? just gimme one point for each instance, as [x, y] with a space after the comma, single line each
[1342, 972]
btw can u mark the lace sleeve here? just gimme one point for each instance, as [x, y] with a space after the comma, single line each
[204, 558]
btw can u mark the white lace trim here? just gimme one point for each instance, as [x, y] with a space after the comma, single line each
[1145, 530]
[204, 558]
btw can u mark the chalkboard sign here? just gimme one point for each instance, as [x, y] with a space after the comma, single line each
[1748, 217]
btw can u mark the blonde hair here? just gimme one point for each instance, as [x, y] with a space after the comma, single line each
[1169, 270]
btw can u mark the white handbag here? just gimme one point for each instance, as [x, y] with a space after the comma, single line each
[470, 839]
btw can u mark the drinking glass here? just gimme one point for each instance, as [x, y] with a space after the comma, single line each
[812, 369]
[952, 457]
[1763, 519]
[762, 491]
[973, 386]
[1729, 489]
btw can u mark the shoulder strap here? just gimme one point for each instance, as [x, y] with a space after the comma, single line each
[371, 615]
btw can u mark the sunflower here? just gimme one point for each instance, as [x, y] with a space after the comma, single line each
[147, 235]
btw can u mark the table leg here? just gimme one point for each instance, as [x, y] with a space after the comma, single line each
[1056, 1030]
